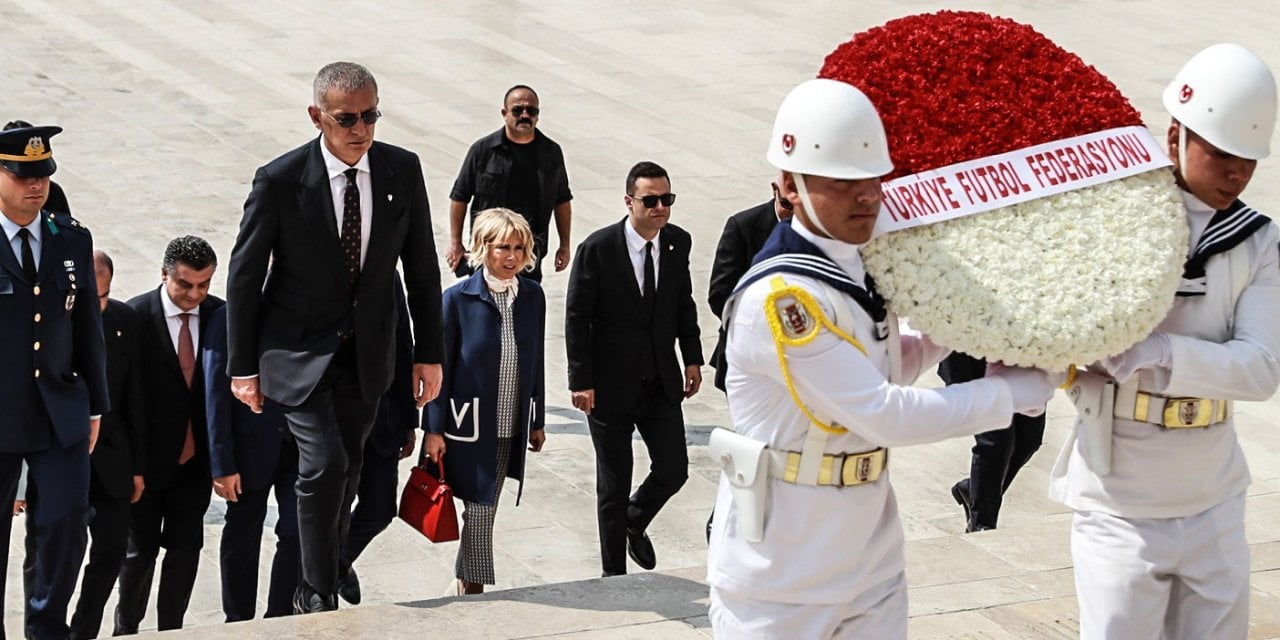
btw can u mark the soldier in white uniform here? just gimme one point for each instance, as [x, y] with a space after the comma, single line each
[807, 542]
[1152, 468]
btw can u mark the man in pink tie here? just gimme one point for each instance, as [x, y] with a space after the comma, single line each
[170, 513]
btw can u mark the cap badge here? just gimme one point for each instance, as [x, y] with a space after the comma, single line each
[788, 143]
[35, 147]
[1184, 96]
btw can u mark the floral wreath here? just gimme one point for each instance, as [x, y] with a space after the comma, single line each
[1070, 277]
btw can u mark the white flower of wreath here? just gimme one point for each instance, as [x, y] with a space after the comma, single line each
[1066, 279]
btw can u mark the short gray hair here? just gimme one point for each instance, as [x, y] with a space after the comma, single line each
[343, 76]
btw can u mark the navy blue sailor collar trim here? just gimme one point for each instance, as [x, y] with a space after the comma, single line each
[788, 252]
[1226, 230]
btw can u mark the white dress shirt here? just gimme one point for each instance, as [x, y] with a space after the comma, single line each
[338, 185]
[635, 252]
[11, 234]
[172, 318]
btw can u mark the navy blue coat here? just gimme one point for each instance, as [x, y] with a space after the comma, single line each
[240, 441]
[54, 387]
[465, 411]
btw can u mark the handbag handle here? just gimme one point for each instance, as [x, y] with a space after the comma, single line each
[423, 459]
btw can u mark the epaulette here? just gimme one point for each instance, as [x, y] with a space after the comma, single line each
[63, 221]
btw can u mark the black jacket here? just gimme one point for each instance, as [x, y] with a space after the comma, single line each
[744, 234]
[170, 404]
[607, 325]
[285, 325]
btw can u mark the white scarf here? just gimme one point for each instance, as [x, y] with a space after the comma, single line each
[498, 285]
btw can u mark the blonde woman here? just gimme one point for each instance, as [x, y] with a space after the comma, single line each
[490, 403]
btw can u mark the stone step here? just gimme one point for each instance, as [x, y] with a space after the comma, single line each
[671, 604]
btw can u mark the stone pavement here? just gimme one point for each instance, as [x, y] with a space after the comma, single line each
[170, 106]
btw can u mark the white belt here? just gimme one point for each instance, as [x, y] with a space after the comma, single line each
[1169, 412]
[836, 470]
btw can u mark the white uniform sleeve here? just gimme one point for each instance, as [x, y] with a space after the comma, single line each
[1245, 367]
[919, 353]
[838, 383]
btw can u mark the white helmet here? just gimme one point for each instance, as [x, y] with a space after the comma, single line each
[830, 129]
[1226, 95]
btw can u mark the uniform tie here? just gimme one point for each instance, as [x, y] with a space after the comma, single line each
[350, 236]
[28, 258]
[187, 361]
[650, 280]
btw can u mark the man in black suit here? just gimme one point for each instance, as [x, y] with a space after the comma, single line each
[391, 440]
[55, 387]
[316, 334]
[630, 300]
[250, 456]
[118, 459]
[744, 234]
[173, 319]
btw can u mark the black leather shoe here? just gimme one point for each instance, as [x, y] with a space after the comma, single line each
[640, 548]
[960, 492]
[306, 600]
[348, 584]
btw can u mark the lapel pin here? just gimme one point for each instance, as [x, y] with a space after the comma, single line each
[390, 197]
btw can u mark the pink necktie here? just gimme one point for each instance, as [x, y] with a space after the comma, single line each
[187, 360]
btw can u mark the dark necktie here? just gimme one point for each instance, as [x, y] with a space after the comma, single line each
[28, 258]
[187, 361]
[650, 280]
[350, 235]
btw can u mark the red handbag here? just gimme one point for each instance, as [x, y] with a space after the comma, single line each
[427, 504]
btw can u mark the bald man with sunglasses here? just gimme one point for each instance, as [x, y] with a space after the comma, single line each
[517, 167]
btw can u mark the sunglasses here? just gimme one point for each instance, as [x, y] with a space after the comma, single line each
[521, 109]
[348, 120]
[649, 202]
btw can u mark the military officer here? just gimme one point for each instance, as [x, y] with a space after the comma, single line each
[807, 542]
[52, 349]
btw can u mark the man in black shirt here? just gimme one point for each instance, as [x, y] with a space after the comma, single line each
[517, 167]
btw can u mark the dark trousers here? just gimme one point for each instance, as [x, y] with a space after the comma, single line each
[171, 517]
[330, 427]
[375, 504]
[242, 542]
[58, 520]
[109, 529]
[661, 426]
[997, 455]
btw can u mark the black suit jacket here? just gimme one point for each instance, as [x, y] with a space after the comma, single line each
[120, 453]
[607, 325]
[170, 404]
[284, 325]
[745, 232]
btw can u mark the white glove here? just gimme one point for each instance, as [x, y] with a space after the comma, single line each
[1030, 388]
[1154, 351]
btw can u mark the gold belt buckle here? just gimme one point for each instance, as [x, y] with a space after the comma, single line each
[1189, 413]
[861, 468]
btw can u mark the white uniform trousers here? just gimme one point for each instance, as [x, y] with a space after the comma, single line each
[879, 612]
[1162, 578]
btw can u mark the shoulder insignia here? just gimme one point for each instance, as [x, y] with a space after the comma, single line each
[65, 221]
[796, 321]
